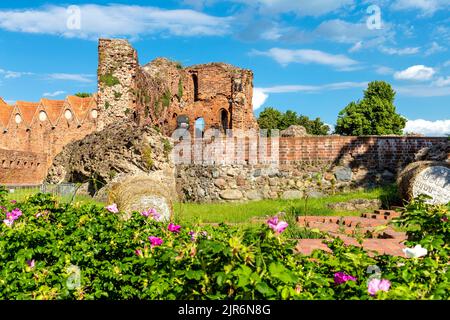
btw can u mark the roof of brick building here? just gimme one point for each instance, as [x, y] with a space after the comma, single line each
[53, 108]
[5, 113]
[27, 110]
[80, 106]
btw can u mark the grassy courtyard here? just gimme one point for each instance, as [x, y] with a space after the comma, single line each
[245, 212]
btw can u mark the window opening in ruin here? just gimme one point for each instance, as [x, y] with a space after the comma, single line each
[195, 81]
[182, 122]
[224, 119]
[199, 128]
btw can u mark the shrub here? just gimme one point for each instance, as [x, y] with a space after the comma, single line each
[64, 251]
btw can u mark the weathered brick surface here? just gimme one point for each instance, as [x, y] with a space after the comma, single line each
[349, 229]
[27, 148]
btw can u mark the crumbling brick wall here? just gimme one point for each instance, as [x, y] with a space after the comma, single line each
[161, 92]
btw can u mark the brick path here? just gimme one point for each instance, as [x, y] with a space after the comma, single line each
[382, 240]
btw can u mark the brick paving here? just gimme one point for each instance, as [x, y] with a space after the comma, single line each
[368, 227]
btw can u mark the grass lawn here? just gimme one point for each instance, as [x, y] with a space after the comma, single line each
[244, 212]
[22, 194]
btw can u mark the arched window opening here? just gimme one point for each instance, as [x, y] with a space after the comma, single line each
[195, 82]
[199, 128]
[182, 122]
[224, 120]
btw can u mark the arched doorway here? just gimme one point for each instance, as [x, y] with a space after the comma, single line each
[224, 120]
[199, 128]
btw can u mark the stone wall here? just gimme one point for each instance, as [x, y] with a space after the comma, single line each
[308, 166]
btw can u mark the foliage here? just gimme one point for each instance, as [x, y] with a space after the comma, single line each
[147, 156]
[109, 80]
[167, 146]
[55, 251]
[271, 118]
[83, 94]
[426, 224]
[375, 114]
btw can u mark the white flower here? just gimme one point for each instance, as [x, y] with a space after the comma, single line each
[415, 252]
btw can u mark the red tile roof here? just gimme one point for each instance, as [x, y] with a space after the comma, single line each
[5, 113]
[80, 106]
[28, 110]
[53, 108]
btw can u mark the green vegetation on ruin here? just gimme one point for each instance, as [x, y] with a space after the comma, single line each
[109, 80]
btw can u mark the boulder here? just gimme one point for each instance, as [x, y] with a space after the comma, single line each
[431, 178]
[294, 131]
[343, 173]
[231, 194]
[292, 194]
[254, 195]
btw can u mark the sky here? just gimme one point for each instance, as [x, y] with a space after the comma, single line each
[313, 57]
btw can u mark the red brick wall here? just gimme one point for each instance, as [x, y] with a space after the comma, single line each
[371, 152]
[22, 168]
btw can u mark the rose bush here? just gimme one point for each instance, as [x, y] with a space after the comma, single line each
[64, 251]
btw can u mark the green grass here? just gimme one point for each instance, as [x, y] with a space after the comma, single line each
[244, 212]
[22, 194]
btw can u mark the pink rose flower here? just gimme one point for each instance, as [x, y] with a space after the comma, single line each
[277, 226]
[376, 285]
[31, 263]
[173, 228]
[138, 252]
[112, 208]
[155, 241]
[341, 277]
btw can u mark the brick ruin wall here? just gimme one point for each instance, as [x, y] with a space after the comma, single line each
[28, 148]
[310, 166]
[162, 91]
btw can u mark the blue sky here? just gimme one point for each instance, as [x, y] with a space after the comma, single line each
[313, 57]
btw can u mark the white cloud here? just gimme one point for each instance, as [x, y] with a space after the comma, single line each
[71, 77]
[356, 47]
[423, 91]
[415, 73]
[53, 94]
[259, 97]
[442, 82]
[347, 32]
[306, 56]
[427, 7]
[8, 74]
[114, 20]
[299, 7]
[435, 48]
[428, 128]
[383, 70]
[400, 52]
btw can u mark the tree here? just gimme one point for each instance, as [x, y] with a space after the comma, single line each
[271, 118]
[375, 114]
[83, 94]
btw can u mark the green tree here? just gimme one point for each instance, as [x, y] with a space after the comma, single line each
[271, 118]
[83, 94]
[375, 114]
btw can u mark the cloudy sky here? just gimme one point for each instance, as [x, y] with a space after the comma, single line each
[313, 57]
